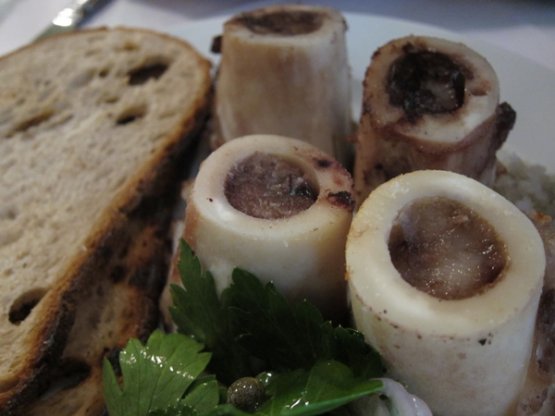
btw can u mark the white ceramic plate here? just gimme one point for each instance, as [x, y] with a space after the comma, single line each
[527, 86]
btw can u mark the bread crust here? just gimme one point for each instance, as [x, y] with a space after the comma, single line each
[58, 307]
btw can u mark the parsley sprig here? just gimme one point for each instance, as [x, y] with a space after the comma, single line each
[163, 373]
[311, 366]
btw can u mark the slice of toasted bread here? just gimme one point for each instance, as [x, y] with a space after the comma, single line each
[90, 123]
[120, 304]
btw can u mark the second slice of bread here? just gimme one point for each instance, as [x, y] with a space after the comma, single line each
[89, 123]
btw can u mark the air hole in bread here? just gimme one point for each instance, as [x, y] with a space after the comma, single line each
[24, 304]
[146, 72]
[8, 212]
[130, 46]
[103, 73]
[69, 373]
[32, 121]
[130, 115]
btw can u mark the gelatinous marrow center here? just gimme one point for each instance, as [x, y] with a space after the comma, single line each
[269, 186]
[283, 23]
[424, 82]
[446, 249]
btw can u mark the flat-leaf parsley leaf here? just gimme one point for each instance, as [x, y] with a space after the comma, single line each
[156, 375]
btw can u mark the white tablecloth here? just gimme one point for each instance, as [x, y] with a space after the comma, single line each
[525, 27]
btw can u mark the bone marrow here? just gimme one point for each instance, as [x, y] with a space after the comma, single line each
[277, 199]
[447, 349]
[429, 103]
[269, 186]
[424, 82]
[281, 22]
[297, 65]
[445, 249]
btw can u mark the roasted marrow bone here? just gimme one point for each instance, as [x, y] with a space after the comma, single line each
[284, 70]
[429, 103]
[452, 338]
[538, 395]
[279, 208]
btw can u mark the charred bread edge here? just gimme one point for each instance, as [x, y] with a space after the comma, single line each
[51, 335]
[141, 289]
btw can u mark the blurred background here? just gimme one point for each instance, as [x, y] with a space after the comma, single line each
[525, 27]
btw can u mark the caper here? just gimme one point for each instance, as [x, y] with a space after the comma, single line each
[246, 394]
